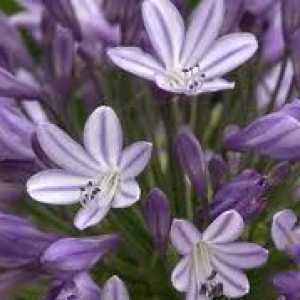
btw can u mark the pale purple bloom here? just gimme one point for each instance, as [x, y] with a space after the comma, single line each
[285, 230]
[288, 285]
[213, 261]
[271, 85]
[157, 213]
[100, 176]
[276, 134]
[114, 289]
[191, 61]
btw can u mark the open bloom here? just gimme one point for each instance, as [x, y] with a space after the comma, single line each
[186, 62]
[99, 177]
[213, 261]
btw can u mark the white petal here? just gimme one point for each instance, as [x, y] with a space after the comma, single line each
[165, 28]
[225, 228]
[235, 282]
[135, 61]
[241, 255]
[64, 151]
[56, 187]
[228, 53]
[128, 194]
[134, 159]
[114, 289]
[214, 85]
[204, 28]
[184, 236]
[181, 275]
[90, 215]
[282, 226]
[103, 136]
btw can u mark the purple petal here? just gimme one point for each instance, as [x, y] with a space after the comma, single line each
[134, 159]
[56, 187]
[283, 223]
[128, 194]
[103, 137]
[181, 275]
[77, 254]
[64, 151]
[184, 236]
[225, 228]
[114, 289]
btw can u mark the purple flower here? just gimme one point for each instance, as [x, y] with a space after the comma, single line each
[245, 194]
[288, 285]
[100, 177]
[157, 214]
[191, 61]
[192, 160]
[290, 18]
[213, 261]
[276, 134]
[114, 289]
[80, 286]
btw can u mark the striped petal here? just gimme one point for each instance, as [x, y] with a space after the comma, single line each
[103, 137]
[215, 85]
[114, 289]
[282, 226]
[184, 236]
[135, 61]
[241, 255]
[90, 215]
[181, 275]
[134, 159]
[225, 228]
[128, 194]
[56, 187]
[204, 28]
[228, 53]
[165, 28]
[235, 282]
[64, 151]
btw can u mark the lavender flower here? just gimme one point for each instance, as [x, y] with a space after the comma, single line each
[100, 177]
[275, 135]
[114, 289]
[287, 284]
[188, 62]
[213, 261]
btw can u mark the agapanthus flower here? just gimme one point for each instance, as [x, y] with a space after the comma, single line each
[213, 261]
[288, 285]
[191, 61]
[276, 134]
[99, 177]
[114, 289]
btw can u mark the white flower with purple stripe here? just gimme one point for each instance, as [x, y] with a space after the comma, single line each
[100, 175]
[191, 61]
[213, 261]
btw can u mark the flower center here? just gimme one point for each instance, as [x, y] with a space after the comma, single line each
[188, 79]
[205, 275]
[100, 190]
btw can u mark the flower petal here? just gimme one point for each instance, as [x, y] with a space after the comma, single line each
[204, 28]
[283, 223]
[235, 282]
[134, 159]
[128, 194]
[241, 255]
[225, 228]
[64, 151]
[90, 215]
[228, 53]
[56, 187]
[103, 137]
[181, 275]
[165, 28]
[135, 61]
[114, 289]
[184, 235]
[216, 85]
